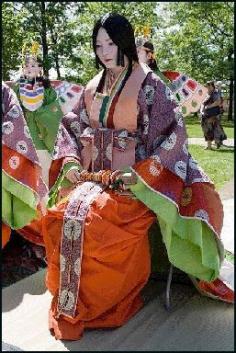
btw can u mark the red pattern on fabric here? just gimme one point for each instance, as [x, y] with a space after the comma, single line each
[171, 75]
[217, 288]
[203, 195]
[76, 89]
[192, 85]
[31, 178]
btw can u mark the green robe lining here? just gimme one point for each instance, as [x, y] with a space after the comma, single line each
[19, 203]
[191, 245]
[61, 181]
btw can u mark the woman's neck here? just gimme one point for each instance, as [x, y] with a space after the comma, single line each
[114, 72]
[111, 77]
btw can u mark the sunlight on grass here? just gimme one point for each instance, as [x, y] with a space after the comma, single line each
[218, 164]
[193, 126]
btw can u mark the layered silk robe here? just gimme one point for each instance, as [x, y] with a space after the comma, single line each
[23, 188]
[96, 238]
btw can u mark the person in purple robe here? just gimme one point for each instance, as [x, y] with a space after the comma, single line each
[121, 163]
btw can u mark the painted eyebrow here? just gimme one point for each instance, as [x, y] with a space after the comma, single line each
[98, 41]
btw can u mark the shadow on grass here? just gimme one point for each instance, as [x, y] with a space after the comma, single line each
[223, 149]
[230, 150]
[193, 120]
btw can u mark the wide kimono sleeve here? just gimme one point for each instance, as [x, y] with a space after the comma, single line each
[22, 185]
[171, 183]
[67, 150]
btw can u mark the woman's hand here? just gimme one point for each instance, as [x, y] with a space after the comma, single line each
[73, 176]
[128, 178]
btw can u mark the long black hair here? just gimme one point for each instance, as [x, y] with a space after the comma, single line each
[152, 62]
[121, 33]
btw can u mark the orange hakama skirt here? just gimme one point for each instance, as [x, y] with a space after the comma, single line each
[115, 264]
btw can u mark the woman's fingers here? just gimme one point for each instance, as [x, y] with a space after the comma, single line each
[73, 176]
[128, 178]
[115, 176]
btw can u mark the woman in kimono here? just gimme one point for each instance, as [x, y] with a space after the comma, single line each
[121, 161]
[22, 192]
[41, 107]
[44, 102]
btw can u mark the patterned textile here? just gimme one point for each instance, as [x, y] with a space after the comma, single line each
[161, 155]
[42, 113]
[188, 93]
[170, 185]
[165, 147]
[31, 95]
[23, 189]
[161, 146]
[73, 238]
[18, 142]
[68, 94]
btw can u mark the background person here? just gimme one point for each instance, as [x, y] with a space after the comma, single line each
[210, 112]
[40, 105]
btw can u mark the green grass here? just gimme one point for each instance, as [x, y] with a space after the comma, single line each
[194, 129]
[218, 164]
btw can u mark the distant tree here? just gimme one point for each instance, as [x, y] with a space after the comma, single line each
[138, 13]
[197, 39]
[13, 36]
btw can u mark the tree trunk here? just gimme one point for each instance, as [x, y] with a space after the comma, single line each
[55, 54]
[231, 86]
[231, 94]
[44, 37]
[57, 66]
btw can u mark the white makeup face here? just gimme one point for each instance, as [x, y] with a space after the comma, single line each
[31, 68]
[106, 50]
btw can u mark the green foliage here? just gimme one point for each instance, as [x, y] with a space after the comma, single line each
[198, 39]
[195, 38]
[137, 13]
[12, 39]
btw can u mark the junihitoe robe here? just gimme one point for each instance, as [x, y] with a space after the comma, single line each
[96, 238]
[23, 188]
